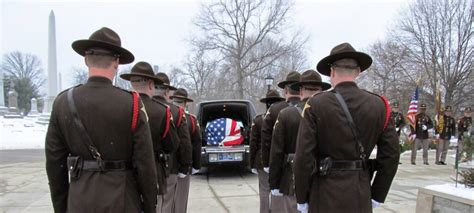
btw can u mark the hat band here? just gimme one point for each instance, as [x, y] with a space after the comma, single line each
[101, 52]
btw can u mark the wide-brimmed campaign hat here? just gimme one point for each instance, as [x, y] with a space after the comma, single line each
[292, 77]
[166, 81]
[142, 69]
[341, 51]
[395, 104]
[312, 78]
[181, 93]
[422, 106]
[448, 109]
[107, 39]
[272, 96]
[467, 109]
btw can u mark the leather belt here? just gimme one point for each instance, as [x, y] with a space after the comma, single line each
[119, 165]
[347, 165]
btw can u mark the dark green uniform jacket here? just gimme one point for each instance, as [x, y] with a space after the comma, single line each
[106, 112]
[324, 132]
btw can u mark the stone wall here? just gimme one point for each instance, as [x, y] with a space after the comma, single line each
[441, 204]
[429, 201]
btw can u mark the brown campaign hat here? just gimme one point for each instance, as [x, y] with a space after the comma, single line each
[292, 77]
[395, 104]
[142, 69]
[104, 38]
[341, 51]
[181, 93]
[422, 106]
[272, 96]
[467, 109]
[448, 109]
[310, 77]
[166, 81]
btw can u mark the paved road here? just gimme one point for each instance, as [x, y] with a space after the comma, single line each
[24, 188]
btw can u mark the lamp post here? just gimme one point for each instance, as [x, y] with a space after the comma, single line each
[269, 82]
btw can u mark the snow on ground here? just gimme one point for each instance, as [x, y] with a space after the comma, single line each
[450, 188]
[21, 133]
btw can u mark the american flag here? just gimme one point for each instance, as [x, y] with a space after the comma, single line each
[223, 132]
[413, 108]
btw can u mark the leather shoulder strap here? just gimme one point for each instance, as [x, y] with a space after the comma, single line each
[87, 141]
[353, 127]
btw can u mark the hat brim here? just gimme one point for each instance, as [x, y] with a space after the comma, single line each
[181, 97]
[170, 87]
[284, 83]
[80, 46]
[127, 76]
[324, 66]
[271, 99]
[296, 86]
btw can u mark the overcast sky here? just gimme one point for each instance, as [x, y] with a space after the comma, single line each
[157, 31]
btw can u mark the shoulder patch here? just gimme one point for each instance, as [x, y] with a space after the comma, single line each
[306, 106]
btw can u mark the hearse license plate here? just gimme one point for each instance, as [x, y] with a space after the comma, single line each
[226, 157]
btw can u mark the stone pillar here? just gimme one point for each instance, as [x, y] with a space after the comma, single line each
[2, 98]
[13, 100]
[52, 65]
[34, 106]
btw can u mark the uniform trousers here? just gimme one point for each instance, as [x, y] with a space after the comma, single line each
[442, 150]
[182, 194]
[424, 143]
[169, 197]
[290, 204]
[277, 204]
[263, 191]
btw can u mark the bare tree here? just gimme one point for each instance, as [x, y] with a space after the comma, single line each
[79, 76]
[25, 71]
[439, 38]
[248, 36]
[200, 71]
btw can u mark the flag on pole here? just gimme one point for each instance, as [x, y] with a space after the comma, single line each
[413, 108]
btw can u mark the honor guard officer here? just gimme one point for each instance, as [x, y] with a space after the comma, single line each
[100, 134]
[464, 126]
[398, 119]
[180, 161]
[272, 97]
[162, 129]
[445, 129]
[285, 132]
[337, 133]
[422, 124]
[180, 98]
[292, 98]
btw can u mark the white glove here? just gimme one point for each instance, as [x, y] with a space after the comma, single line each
[302, 207]
[181, 175]
[194, 171]
[254, 171]
[424, 127]
[396, 129]
[266, 169]
[437, 136]
[276, 192]
[375, 204]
